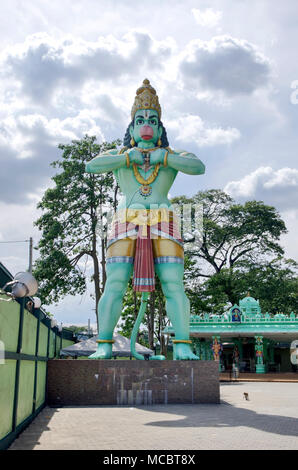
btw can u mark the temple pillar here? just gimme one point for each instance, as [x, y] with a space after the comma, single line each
[206, 353]
[236, 357]
[271, 351]
[266, 342]
[240, 346]
[259, 348]
[209, 351]
[203, 350]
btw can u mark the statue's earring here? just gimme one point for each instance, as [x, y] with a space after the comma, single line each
[159, 142]
[132, 142]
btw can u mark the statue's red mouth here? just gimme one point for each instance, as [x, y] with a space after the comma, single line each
[146, 132]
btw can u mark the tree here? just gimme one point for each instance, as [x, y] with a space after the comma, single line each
[131, 305]
[155, 319]
[232, 233]
[76, 329]
[71, 211]
[274, 283]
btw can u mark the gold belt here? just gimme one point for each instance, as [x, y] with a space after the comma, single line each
[145, 217]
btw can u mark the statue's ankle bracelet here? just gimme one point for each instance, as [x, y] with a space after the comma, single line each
[105, 341]
[185, 341]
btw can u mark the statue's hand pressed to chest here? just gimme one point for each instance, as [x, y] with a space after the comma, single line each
[158, 156]
[135, 156]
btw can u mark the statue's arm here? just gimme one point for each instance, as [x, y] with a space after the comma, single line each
[186, 162]
[105, 162]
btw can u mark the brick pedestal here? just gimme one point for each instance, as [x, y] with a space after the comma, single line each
[109, 382]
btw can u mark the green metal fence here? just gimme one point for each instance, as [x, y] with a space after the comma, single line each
[27, 341]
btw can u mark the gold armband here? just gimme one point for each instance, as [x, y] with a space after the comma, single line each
[165, 161]
[127, 160]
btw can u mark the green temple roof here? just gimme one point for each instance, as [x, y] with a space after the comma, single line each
[245, 319]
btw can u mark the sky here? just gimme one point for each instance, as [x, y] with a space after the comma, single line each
[226, 74]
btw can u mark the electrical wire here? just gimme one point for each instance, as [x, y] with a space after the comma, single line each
[16, 241]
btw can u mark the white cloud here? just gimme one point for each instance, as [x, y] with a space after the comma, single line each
[13, 138]
[192, 128]
[278, 188]
[224, 63]
[289, 240]
[246, 187]
[63, 129]
[275, 187]
[17, 225]
[283, 178]
[208, 17]
[28, 144]
[56, 89]
[43, 64]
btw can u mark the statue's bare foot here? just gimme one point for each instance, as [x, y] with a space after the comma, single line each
[104, 351]
[183, 352]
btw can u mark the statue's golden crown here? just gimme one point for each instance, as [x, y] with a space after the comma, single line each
[146, 98]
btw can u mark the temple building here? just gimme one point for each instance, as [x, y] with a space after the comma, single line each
[245, 337]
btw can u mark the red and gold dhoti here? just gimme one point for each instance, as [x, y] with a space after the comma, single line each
[144, 237]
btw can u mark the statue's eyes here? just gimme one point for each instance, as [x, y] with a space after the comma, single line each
[140, 121]
[153, 121]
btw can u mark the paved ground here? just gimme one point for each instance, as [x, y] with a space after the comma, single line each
[253, 377]
[269, 420]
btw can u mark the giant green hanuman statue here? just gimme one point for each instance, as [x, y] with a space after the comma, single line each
[144, 238]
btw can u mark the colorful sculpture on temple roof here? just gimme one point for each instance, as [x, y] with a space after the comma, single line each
[144, 238]
[236, 314]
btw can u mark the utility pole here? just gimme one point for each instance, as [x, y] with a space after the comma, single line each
[30, 254]
[30, 250]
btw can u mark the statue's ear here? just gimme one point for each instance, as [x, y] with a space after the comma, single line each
[131, 130]
[160, 129]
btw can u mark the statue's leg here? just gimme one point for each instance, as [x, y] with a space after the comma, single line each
[110, 306]
[177, 306]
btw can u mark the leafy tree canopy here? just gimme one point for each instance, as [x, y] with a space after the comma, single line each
[232, 232]
[234, 253]
[69, 220]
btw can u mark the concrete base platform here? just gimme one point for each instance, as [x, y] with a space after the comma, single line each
[110, 382]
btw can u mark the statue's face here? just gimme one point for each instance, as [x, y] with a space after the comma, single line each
[146, 128]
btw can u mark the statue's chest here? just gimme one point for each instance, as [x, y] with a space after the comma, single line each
[145, 176]
[145, 169]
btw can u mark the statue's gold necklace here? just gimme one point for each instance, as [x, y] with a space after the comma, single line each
[139, 149]
[145, 189]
